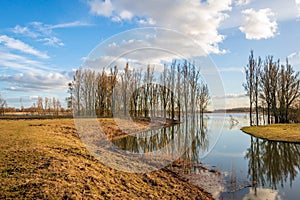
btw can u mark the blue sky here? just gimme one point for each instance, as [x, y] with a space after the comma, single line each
[43, 42]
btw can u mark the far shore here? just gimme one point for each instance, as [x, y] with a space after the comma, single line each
[275, 132]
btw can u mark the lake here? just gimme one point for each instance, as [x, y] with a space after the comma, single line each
[250, 168]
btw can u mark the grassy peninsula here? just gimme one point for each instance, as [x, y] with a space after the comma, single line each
[275, 132]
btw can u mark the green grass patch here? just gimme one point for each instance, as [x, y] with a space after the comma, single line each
[275, 132]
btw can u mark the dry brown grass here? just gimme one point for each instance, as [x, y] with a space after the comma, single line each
[275, 132]
[45, 159]
[118, 128]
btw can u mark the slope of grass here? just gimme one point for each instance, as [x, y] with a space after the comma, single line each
[275, 132]
[46, 159]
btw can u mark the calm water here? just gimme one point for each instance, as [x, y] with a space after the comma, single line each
[251, 168]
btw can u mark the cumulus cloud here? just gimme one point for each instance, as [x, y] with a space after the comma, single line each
[99, 7]
[30, 82]
[15, 44]
[198, 20]
[147, 46]
[259, 24]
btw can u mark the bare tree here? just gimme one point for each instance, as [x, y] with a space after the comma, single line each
[113, 83]
[178, 90]
[70, 99]
[77, 79]
[291, 84]
[164, 92]
[257, 88]
[185, 72]
[266, 85]
[39, 103]
[2, 105]
[250, 83]
[135, 88]
[203, 98]
[125, 81]
[194, 76]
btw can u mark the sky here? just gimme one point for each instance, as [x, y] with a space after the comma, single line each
[43, 42]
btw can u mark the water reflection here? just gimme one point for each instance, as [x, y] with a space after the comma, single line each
[191, 137]
[272, 163]
[271, 168]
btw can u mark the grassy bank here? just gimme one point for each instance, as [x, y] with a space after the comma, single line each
[275, 132]
[46, 159]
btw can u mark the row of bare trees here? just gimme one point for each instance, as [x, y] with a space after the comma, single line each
[46, 106]
[42, 106]
[273, 89]
[176, 90]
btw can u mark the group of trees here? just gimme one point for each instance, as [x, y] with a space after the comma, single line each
[273, 89]
[176, 91]
[46, 106]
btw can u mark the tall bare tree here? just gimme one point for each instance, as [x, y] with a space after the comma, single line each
[250, 83]
[291, 84]
[2, 105]
[125, 82]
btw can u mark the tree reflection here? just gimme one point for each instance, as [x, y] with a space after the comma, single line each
[272, 163]
[190, 138]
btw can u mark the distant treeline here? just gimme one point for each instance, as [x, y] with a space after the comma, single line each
[44, 106]
[176, 91]
[273, 87]
[232, 110]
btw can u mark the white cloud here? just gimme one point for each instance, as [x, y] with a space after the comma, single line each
[146, 46]
[298, 7]
[126, 15]
[24, 31]
[283, 11]
[230, 101]
[200, 21]
[242, 2]
[98, 7]
[148, 21]
[294, 60]
[30, 82]
[69, 25]
[44, 32]
[52, 41]
[259, 24]
[21, 63]
[15, 44]
[263, 193]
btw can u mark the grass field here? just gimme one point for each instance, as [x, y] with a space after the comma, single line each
[45, 159]
[275, 132]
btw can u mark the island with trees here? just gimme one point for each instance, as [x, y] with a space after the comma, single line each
[274, 98]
